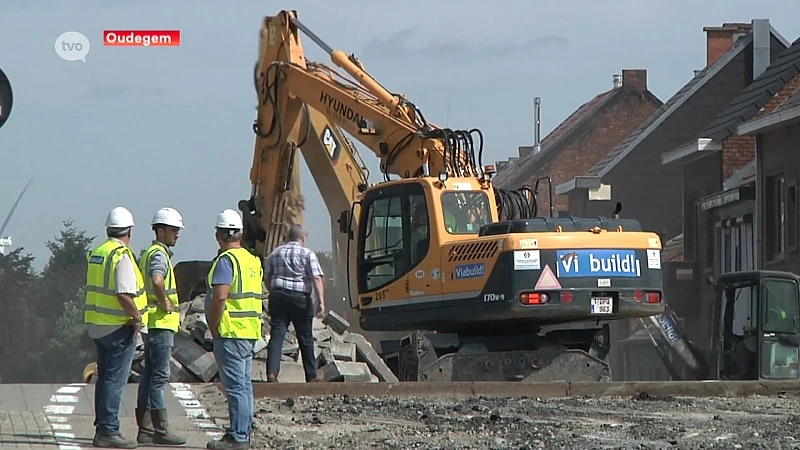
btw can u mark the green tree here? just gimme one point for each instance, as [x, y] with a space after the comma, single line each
[65, 273]
[69, 348]
[22, 331]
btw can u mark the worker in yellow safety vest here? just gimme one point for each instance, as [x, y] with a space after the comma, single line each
[163, 321]
[233, 313]
[114, 312]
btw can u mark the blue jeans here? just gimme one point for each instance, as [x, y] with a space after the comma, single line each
[114, 359]
[157, 352]
[297, 308]
[235, 363]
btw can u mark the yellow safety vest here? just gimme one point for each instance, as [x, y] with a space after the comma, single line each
[102, 306]
[156, 317]
[241, 318]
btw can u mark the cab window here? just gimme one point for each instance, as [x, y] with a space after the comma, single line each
[420, 229]
[780, 305]
[382, 250]
[465, 212]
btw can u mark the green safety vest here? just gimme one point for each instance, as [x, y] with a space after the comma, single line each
[158, 318]
[102, 306]
[241, 318]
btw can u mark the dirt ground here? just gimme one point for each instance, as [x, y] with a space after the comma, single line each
[641, 422]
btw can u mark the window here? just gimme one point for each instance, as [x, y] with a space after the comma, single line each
[791, 216]
[420, 228]
[774, 217]
[465, 212]
[780, 305]
[394, 235]
[382, 250]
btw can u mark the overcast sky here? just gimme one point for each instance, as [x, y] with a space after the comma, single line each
[151, 127]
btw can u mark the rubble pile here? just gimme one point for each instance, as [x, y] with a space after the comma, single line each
[341, 356]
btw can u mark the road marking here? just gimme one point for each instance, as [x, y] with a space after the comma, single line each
[194, 410]
[58, 412]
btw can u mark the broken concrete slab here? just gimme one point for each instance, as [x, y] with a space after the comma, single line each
[368, 355]
[336, 322]
[291, 372]
[346, 371]
[195, 358]
[343, 351]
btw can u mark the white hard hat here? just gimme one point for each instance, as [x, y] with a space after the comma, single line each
[229, 219]
[168, 216]
[119, 217]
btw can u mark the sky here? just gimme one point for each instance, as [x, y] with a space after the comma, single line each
[150, 127]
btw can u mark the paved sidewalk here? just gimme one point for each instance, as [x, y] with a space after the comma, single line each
[61, 416]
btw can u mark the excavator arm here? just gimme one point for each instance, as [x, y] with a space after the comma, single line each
[386, 123]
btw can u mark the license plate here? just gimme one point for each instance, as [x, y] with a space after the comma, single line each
[602, 305]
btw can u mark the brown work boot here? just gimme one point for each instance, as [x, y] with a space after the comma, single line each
[112, 441]
[318, 379]
[145, 424]
[163, 435]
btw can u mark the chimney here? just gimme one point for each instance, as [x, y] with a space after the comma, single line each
[537, 121]
[634, 79]
[720, 39]
[524, 150]
[761, 53]
[617, 80]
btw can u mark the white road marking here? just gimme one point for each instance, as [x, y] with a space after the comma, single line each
[58, 413]
[64, 399]
[195, 411]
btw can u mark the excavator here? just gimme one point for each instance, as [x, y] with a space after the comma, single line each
[755, 331]
[479, 286]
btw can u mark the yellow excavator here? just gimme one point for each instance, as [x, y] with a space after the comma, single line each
[486, 288]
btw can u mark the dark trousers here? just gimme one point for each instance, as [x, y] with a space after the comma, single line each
[297, 308]
[114, 359]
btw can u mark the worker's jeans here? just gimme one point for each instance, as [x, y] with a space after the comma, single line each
[299, 309]
[114, 359]
[155, 375]
[234, 359]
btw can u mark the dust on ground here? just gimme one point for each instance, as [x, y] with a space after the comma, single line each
[640, 422]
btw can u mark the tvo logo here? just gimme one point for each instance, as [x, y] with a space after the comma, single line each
[72, 46]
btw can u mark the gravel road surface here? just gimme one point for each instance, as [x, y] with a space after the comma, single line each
[641, 422]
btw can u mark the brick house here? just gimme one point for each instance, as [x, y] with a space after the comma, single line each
[777, 134]
[581, 140]
[633, 171]
[717, 164]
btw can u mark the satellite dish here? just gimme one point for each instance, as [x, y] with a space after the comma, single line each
[6, 98]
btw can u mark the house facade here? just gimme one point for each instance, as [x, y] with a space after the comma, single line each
[581, 140]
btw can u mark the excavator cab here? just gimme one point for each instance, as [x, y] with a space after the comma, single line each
[758, 326]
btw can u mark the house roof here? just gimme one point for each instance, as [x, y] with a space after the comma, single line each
[787, 112]
[704, 76]
[521, 168]
[701, 78]
[747, 104]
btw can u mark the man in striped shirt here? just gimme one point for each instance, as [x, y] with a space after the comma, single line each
[291, 272]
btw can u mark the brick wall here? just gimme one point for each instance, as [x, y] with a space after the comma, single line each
[597, 138]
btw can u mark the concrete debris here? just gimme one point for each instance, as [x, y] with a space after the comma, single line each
[342, 356]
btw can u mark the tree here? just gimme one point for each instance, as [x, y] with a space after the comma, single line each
[69, 348]
[65, 272]
[22, 331]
